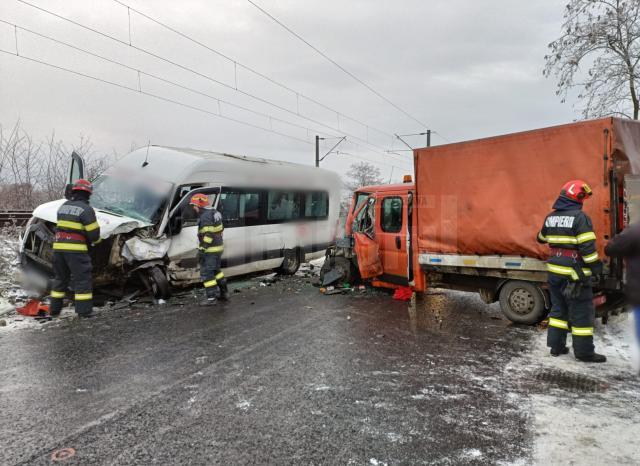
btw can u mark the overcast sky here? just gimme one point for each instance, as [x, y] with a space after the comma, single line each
[466, 68]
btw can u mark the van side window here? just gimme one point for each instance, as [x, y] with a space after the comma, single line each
[391, 221]
[240, 209]
[283, 206]
[316, 205]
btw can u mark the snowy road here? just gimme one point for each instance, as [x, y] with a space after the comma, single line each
[284, 375]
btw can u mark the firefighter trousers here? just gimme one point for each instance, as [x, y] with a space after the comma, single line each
[72, 270]
[575, 315]
[215, 284]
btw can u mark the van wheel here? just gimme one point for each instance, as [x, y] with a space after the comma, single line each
[156, 281]
[522, 302]
[290, 263]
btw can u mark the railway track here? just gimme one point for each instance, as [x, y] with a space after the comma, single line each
[14, 217]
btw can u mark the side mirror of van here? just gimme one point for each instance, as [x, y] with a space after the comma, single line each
[68, 191]
[175, 224]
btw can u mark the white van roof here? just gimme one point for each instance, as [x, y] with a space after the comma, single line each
[183, 166]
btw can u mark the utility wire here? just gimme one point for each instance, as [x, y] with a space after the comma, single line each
[338, 65]
[165, 99]
[150, 94]
[378, 148]
[249, 68]
[159, 78]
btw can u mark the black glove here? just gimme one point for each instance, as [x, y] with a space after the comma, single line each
[596, 269]
[572, 290]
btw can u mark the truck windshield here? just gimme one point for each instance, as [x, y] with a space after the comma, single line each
[136, 197]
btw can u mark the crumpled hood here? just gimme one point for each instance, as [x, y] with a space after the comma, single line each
[563, 203]
[110, 224]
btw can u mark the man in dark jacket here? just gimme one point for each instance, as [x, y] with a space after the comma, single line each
[627, 245]
[210, 248]
[76, 230]
[572, 262]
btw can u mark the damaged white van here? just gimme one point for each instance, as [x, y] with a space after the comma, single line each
[275, 214]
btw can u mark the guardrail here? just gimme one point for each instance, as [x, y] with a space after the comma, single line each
[14, 217]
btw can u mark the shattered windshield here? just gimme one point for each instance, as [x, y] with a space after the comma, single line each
[131, 195]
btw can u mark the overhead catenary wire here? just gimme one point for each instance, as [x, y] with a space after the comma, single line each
[378, 148]
[338, 65]
[237, 63]
[139, 90]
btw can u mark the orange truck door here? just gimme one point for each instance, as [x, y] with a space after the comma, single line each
[391, 233]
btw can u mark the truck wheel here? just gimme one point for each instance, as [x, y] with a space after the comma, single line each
[290, 263]
[522, 302]
[341, 263]
[157, 282]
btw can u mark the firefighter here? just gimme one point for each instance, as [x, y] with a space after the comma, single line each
[76, 231]
[572, 264]
[210, 250]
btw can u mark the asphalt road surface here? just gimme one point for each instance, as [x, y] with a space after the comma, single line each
[280, 375]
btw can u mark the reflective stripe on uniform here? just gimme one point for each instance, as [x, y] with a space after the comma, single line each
[568, 271]
[219, 276]
[210, 283]
[207, 239]
[584, 237]
[541, 237]
[57, 294]
[70, 247]
[558, 323]
[582, 331]
[92, 226]
[590, 257]
[564, 239]
[211, 229]
[69, 224]
[83, 296]
[213, 249]
[98, 241]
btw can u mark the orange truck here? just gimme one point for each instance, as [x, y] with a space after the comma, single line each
[470, 220]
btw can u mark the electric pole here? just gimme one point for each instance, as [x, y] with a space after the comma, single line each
[317, 151]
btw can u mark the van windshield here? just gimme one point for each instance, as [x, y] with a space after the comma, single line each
[130, 195]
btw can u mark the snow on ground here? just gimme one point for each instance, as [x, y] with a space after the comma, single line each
[587, 414]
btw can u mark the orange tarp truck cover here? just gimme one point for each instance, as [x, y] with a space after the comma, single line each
[491, 196]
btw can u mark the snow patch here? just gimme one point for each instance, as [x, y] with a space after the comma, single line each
[243, 405]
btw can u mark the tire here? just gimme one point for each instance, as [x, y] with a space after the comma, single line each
[522, 302]
[342, 263]
[157, 282]
[290, 263]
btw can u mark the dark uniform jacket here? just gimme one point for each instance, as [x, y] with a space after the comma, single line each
[569, 232]
[77, 228]
[210, 231]
[627, 245]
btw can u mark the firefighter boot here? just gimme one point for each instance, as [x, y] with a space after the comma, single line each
[224, 290]
[555, 353]
[595, 357]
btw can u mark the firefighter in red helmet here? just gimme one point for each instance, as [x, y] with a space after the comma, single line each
[76, 231]
[572, 264]
[210, 248]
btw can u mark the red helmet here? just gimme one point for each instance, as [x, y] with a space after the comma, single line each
[200, 200]
[576, 190]
[82, 185]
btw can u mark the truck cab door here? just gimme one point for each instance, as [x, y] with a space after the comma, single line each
[366, 244]
[392, 236]
[76, 172]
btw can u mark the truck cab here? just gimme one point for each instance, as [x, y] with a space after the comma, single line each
[378, 229]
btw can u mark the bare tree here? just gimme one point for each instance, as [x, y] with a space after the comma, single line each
[35, 172]
[600, 37]
[363, 174]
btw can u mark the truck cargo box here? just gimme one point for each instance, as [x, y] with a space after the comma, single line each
[489, 197]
